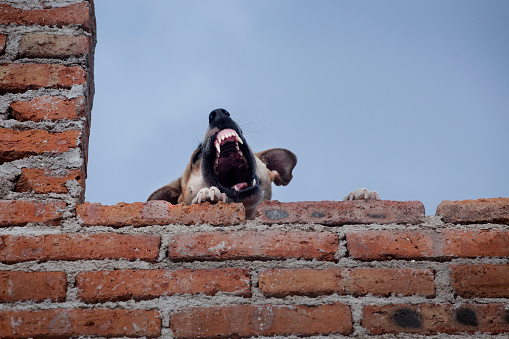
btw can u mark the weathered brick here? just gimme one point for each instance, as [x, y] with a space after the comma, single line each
[3, 41]
[39, 180]
[35, 286]
[356, 281]
[160, 213]
[494, 210]
[75, 14]
[264, 320]
[43, 45]
[18, 248]
[417, 244]
[22, 212]
[335, 213]
[22, 77]
[148, 284]
[266, 245]
[21, 144]
[47, 107]
[394, 244]
[480, 281]
[476, 243]
[64, 323]
[432, 319]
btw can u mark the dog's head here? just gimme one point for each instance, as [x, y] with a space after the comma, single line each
[225, 160]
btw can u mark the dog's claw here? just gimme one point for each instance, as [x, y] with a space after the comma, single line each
[212, 194]
[362, 194]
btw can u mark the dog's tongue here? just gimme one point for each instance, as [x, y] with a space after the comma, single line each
[239, 186]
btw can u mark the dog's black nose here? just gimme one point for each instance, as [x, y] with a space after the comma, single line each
[218, 114]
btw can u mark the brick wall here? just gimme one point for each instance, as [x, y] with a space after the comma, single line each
[71, 268]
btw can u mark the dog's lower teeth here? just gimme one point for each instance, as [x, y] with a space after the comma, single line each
[254, 182]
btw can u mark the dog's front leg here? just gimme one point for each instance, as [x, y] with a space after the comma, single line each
[212, 194]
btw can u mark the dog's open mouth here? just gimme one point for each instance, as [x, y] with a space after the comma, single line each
[232, 166]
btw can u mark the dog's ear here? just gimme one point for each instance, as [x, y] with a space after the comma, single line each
[280, 163]
[170, 192]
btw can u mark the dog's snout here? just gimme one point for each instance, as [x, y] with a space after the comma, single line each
[218, 114]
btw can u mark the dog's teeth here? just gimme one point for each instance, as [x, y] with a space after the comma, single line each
[236, 188]
[218, 147]
[254, 182]
[240, 153]
[238, 138]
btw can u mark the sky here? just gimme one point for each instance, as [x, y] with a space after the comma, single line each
[408, 98]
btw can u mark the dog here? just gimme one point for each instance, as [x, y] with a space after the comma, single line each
[224, 168]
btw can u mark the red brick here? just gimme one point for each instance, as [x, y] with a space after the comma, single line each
[22, 77]
[160, 213]
[64, 323]
[47, 107]
[43, 45]
[18, 248]
[480, 281]
[74, 14]
[42, 181]
[266, 245]
[264, 320]
[35, 286]
[356, 281]
[335, 213]
[432, 319]
[416, 244]
[3, 41]
[148, 284]
[397, 244]
[494, 210]
[21, 212]
[476, 243]
[21, 144]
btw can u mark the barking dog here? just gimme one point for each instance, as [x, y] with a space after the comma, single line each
[224, 168]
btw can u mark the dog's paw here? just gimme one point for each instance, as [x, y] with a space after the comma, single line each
[212, 194]
[362, 194]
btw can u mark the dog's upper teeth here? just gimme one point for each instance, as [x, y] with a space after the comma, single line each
[218, 147]
[238, 138]
[254, 182]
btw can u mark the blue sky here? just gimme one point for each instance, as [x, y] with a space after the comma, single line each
[409, 98]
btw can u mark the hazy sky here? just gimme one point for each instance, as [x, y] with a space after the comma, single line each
[409, 98]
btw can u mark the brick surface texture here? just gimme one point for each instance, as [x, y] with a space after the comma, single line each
[36, 286]
[3, 41]
[21, 144]
[20, 212]
[42, 45]
[46, 107]
[22, 77]
[75, 269]
[358, 281]
[249, 320]
[75, 322]
[19, 248]
[149, 284]
[42, 181]
[253, 246]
